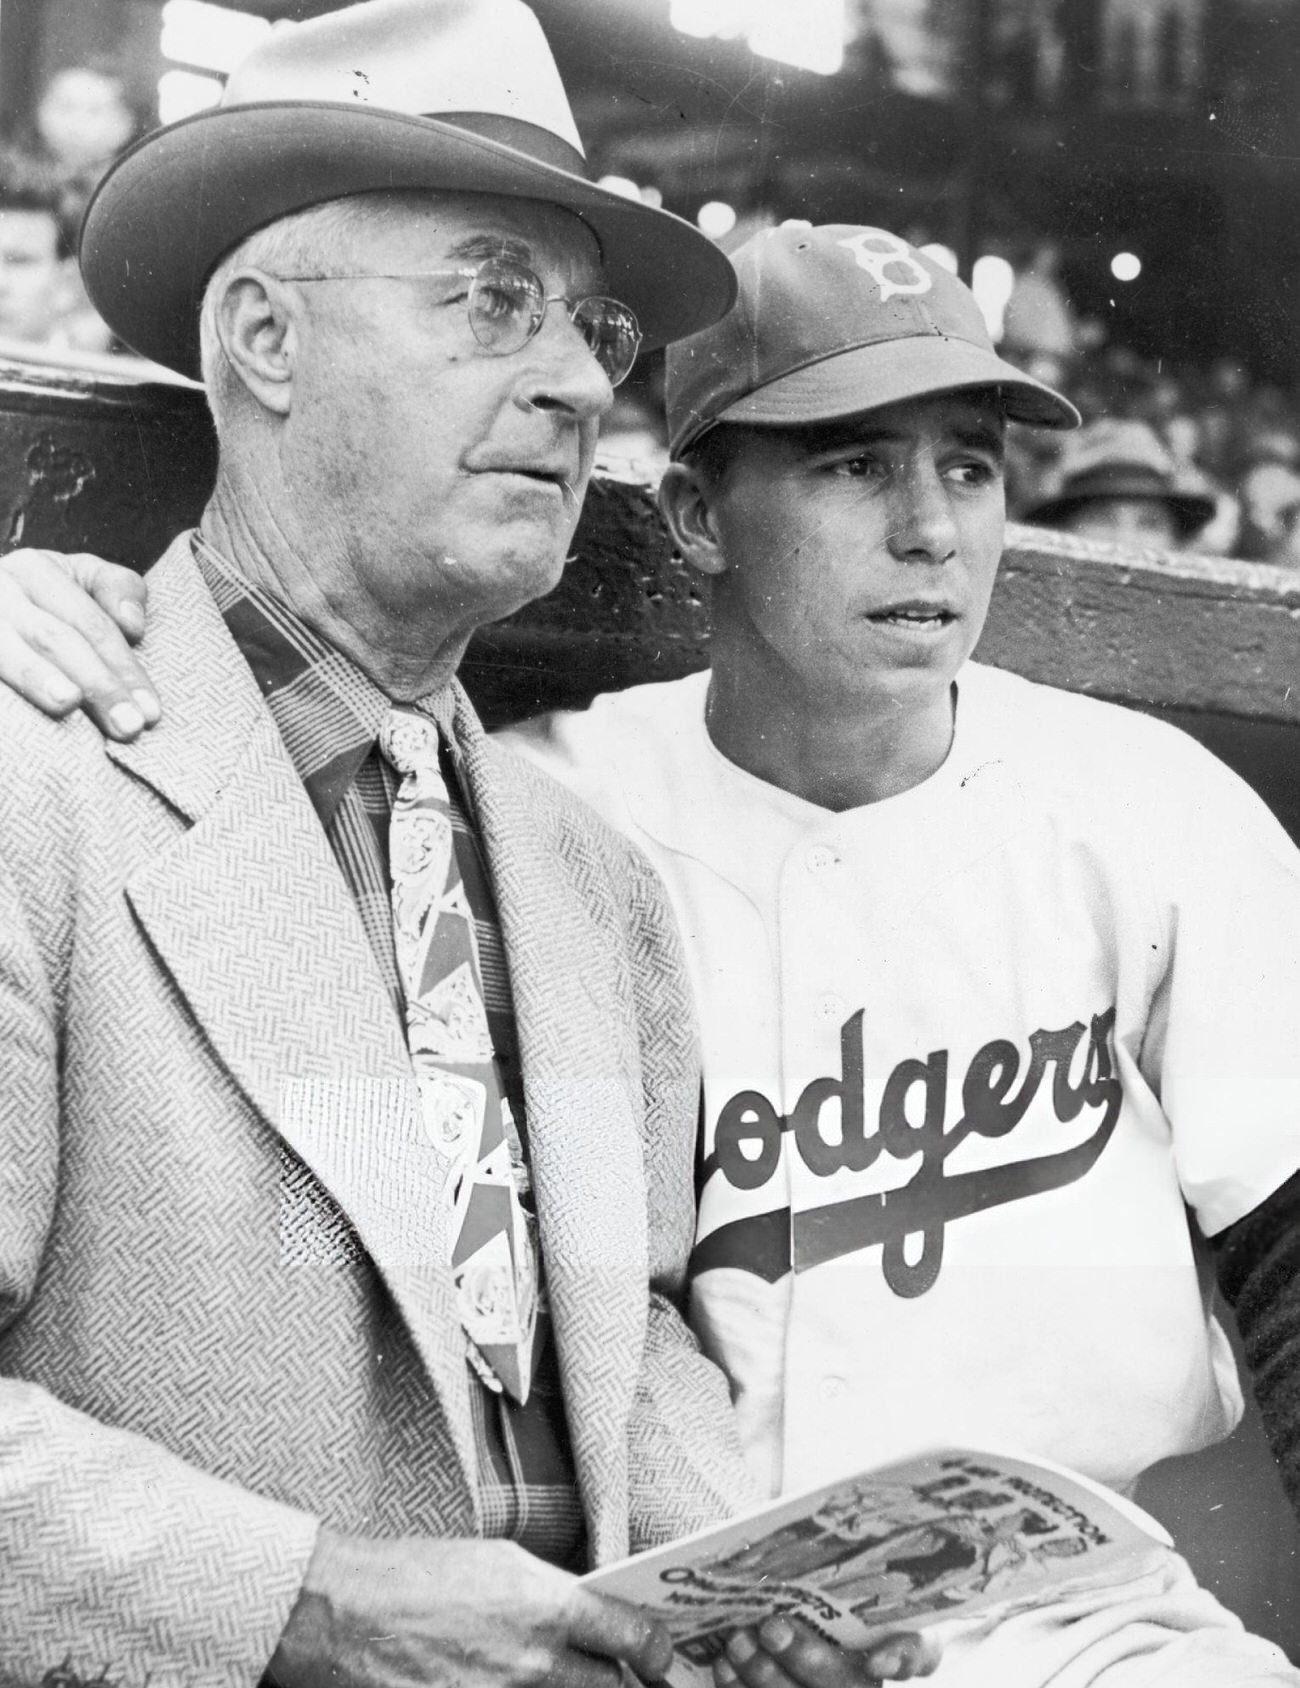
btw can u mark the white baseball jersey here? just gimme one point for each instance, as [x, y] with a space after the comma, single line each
[971, 1054]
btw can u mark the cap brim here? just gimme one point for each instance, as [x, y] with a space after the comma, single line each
[173, 205]
[888, 372]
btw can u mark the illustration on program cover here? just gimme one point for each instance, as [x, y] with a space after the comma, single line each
[939, 1536]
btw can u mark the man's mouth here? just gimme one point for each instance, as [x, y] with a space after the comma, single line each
[541, 475]
[914, 617]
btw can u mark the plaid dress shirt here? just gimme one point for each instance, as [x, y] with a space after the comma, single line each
[329, 714]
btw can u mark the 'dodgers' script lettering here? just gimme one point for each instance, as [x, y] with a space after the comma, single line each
[997, 1090]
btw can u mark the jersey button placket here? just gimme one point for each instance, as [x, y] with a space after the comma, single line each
[821, 859]
[813, 1012]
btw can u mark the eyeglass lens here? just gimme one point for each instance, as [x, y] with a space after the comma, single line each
[507, 304]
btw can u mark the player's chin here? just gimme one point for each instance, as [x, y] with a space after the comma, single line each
[915, 674]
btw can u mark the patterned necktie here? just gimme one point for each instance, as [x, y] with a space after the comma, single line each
[494, 1262]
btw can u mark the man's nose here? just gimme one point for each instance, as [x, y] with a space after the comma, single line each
[921, 529]
[559, 371]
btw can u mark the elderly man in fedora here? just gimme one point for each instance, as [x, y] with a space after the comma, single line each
[349, 1084]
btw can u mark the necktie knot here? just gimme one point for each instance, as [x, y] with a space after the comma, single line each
[409, 740]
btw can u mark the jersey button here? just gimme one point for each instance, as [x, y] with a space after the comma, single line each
[829, 1006]
[834, 1388]
[822, 857]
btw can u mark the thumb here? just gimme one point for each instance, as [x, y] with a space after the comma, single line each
[614, 1629]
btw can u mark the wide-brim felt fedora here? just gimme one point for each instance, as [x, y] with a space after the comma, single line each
[433, 95]
[1190, 510]
[1116, 458]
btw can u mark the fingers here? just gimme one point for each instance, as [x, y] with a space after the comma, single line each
[58, 647]
[902, 1658]
[581, 1670]
[120, 592]
[613, 1629]
[782, 1653]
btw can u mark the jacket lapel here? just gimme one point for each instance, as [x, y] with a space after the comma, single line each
[582, 1091]
[252, 918]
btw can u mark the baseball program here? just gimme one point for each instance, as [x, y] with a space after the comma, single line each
[947, 1534]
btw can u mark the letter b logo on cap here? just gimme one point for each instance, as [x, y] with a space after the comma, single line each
[876, 250]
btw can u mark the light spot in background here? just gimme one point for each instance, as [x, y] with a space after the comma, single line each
[208, 37]
[716, 218]
[726, 19]
[991, 282]
[182, 92]
[1126, 266]
[810, 34]
[624, 186]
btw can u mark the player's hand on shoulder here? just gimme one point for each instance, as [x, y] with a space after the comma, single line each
[783, 1653]
[67, 624]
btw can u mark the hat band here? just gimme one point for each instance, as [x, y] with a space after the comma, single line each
[1118, 481]
[542, 144]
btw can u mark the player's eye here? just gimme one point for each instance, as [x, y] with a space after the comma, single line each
[976, 471]
[863, 465]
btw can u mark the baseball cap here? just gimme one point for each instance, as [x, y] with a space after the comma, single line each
[833, 321]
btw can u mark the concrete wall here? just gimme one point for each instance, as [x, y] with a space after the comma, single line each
[116, 467]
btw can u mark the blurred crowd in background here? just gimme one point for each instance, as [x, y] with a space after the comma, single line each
[85, 117]
[1201, 458]
[1226, 439]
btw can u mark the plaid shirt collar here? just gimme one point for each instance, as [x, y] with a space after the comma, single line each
[327, 711]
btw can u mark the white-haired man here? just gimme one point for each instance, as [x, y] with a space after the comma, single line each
[349, 1080]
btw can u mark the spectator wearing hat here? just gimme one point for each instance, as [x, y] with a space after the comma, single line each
[1114, 480]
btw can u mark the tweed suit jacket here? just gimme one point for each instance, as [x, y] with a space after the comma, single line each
[225, 1307]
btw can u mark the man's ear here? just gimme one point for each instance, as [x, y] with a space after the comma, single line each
[257, 322]
[686, 502]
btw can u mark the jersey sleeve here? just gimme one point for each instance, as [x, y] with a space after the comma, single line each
[1224, 1024]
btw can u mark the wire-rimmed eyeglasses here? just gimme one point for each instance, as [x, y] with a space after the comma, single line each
[506, 303]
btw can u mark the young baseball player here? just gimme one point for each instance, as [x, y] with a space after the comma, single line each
[998, 984]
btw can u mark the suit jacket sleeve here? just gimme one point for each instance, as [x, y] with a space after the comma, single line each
[685, 1465]
[113, 1551]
